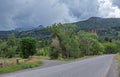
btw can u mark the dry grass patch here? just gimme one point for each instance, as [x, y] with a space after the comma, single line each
[11, 64]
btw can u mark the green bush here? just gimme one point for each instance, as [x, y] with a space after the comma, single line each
[110, 47]
[11, 52]
[43, 51]
[54, 53]
[28, 47]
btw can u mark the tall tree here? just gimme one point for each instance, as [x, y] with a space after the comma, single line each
[11, 40]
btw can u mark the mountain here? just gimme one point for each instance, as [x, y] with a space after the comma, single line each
[38, 33]
[104, 27]
[4, 34]
[20, 29]
[26, 28]
[96, 22]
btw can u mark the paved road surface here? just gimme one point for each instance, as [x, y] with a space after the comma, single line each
[103, 66]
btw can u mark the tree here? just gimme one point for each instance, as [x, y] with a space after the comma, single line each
[12, 46]
[11, 40]
[89, 44]
[62, 33]
[54, 53]
[11, 51]
[3, 49]
[70, 43]
[28, 47]
[110, 48]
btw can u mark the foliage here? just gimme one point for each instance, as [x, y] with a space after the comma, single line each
[54, 53]
[110, 47]
[11, 40]
[3, 49]
[11, 51]
[70, 43]
[28, 47]
[43, 51]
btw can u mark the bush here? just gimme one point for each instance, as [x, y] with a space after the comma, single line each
[28, 47]
[44, 51]
[96, 48]
[54, 53]
[110, 48]
[11, 52]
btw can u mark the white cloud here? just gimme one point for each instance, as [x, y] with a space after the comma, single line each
[107, 9]
[20, 13]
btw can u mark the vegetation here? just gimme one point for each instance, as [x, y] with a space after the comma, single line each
[104, 27]
[12, 48]
[67, 42]
[28, 47]
[23, 64]
[64, 41]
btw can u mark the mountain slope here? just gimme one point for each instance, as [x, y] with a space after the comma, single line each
[105, 27]
[37, 33]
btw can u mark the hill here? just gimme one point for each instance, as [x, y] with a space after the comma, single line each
[104, 27]
[39, 33]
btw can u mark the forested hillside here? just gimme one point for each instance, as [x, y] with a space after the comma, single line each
[104, 27]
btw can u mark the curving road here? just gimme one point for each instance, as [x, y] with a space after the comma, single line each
[102, 66]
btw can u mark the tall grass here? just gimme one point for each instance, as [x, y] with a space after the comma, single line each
[12, 67]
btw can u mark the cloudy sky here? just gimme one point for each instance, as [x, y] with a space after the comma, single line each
[21, 13]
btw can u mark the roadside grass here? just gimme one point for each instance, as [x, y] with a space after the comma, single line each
[11, 65]
[118, 60]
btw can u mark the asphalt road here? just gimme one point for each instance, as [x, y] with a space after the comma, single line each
[102, 66]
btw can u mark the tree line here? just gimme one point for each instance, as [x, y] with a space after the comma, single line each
[66, 42]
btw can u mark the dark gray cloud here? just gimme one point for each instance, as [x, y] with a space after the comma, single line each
[82, 9]
[20, 13]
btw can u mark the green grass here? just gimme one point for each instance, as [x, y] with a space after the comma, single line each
[21, 66]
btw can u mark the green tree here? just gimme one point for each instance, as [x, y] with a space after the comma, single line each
[110, 48]
[89, 44]
[11, 40]
[72, 44]
[28, 47]
[63, 33]
[4, 49]
[11, 51]
[54, 53]
[12, 45]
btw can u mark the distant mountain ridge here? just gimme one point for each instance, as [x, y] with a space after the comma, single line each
[20, 29]
[104, 27]
[97, 22]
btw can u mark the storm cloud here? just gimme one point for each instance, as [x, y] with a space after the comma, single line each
[21, 13]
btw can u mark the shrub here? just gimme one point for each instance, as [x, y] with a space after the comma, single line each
[54, 53]
[28, 47]
[110, 48]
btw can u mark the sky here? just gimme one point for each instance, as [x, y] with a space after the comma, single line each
[32, 13]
